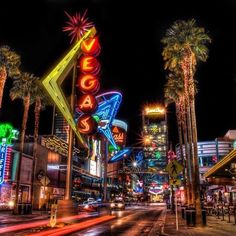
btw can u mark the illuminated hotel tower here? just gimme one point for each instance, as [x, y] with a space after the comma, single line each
[155, 142]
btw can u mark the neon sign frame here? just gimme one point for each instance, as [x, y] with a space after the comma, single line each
[7, 133]
[120, 155]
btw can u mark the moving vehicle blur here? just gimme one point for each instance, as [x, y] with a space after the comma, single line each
[88, 206]
[117, 205]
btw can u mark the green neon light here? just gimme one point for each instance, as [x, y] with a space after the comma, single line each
[157, 155]
[112, 149]
[52, 82]
[96, 118]
[7, 133]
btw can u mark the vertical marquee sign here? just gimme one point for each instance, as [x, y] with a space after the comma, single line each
[88, 83]
[7, 133]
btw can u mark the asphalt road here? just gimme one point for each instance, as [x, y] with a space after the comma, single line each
[131, 222]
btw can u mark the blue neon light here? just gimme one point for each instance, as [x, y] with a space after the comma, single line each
[3, 152]
[108, 105]
[121, 154]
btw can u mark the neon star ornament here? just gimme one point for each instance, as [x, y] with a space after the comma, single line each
[77, 25]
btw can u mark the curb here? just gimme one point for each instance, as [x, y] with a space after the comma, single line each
[158, 227]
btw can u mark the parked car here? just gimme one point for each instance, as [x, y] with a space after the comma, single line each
[117, 205]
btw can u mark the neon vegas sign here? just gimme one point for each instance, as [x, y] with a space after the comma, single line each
[88, 84]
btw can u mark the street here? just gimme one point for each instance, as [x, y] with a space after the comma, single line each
[135, 220]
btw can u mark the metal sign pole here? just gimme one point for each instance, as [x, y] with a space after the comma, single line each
[176, 211]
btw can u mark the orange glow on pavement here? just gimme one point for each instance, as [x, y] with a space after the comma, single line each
[39, 223]
[75, 227]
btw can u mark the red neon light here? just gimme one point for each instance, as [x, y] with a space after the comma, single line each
[86, 124]
[88, 83]
[7, 172]
[89, 64]
[119, 135]
[87, 103]
[91, 46]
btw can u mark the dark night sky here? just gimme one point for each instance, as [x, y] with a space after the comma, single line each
[130, 33]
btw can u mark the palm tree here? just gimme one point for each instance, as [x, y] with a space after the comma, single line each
[9, 66]
[185, 45]
[22, 89]
[39, 97]
[174, 92]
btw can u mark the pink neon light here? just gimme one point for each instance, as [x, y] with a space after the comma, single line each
[7, 171]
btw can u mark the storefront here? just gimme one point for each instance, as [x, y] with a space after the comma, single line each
[222, 180]
[7, 188]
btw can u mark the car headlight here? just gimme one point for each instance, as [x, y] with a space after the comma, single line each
[120, 205]
[112, 205]
[86, 206]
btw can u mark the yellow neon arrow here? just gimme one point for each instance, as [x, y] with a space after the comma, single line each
[52, 82]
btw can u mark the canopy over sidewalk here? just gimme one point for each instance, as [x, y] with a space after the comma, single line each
[222, 173]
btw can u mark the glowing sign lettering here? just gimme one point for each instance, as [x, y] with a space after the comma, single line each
[119, 138]
[86, 124]
[3, 151]
[88, 83]
[154, 111]
[91, 46]
[118, 135]
[89, 64]
[87, 103]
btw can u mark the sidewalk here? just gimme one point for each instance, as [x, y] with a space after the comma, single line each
[215, 226]
[6, 217]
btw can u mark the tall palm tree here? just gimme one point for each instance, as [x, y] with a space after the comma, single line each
[22, 89]
[41, 100]
[9, 66]
[184, 46]
[174, 92]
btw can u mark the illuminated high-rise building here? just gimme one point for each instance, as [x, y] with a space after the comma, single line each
[155, 142]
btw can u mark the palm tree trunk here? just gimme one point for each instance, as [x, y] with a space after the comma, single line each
[37, 110]
[3, 78]
[187, 157]
[196, 180]
[21, 149]
[185, 69]
[196, 167]
[178, 116]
